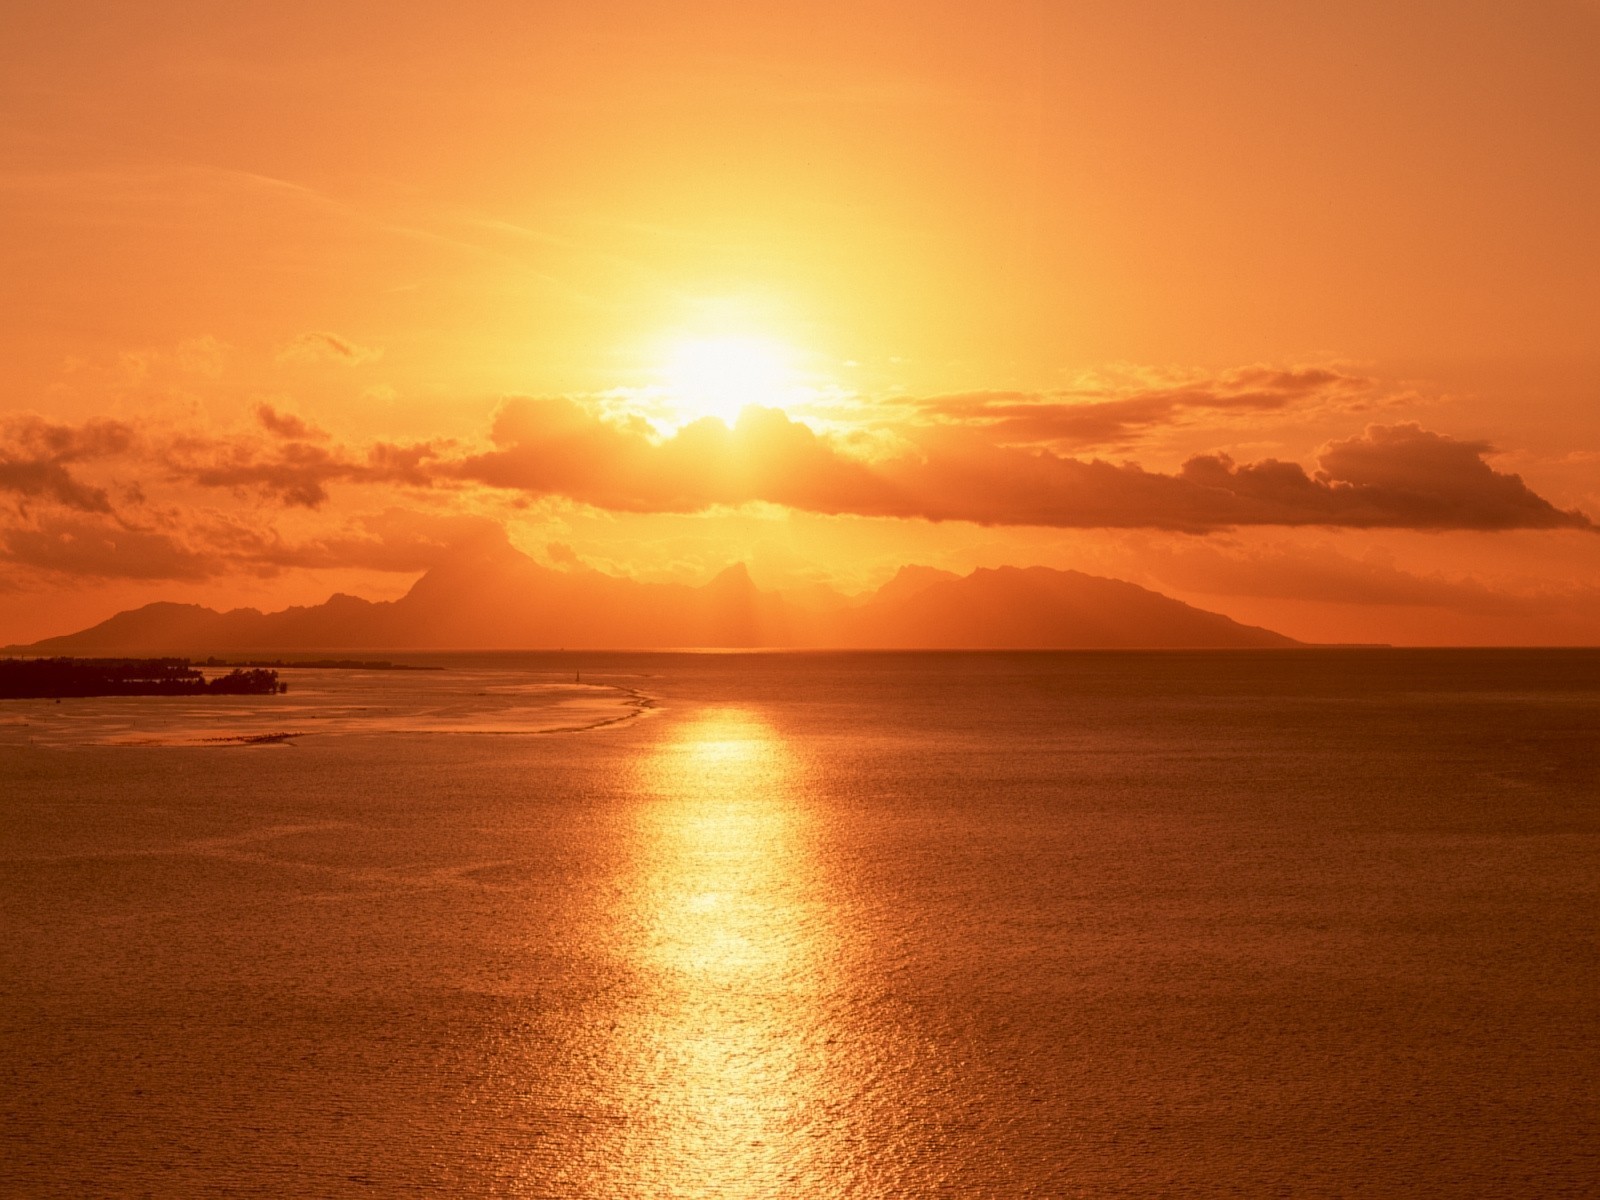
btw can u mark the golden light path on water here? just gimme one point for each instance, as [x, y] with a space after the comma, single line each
[718, 1058]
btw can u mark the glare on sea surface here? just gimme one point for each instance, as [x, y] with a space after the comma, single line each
[720, 894]
[732, 946]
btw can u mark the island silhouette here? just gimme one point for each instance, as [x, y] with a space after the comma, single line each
[491, 596]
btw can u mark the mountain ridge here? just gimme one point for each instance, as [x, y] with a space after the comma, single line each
[496, 598]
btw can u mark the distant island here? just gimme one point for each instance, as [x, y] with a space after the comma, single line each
[58, 678]
[489, 596]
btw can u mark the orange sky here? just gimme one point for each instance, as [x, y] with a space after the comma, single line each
[1260, 305]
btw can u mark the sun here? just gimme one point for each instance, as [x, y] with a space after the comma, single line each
[720, 376]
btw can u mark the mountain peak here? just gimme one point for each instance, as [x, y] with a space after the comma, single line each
[734, 576]
[909, 580]
[490, 596]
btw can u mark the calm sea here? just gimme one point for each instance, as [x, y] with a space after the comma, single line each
[1317, 923]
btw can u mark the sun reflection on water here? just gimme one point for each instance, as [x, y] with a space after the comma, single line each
[732, 950]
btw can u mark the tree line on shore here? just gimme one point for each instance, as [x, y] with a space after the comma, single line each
[46, 678]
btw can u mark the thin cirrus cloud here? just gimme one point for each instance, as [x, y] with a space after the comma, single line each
[1108, 415]
[323, 347]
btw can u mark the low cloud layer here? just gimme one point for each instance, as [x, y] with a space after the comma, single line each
[1389, 477]
[557, 447]
[124, 499]
[205, 545]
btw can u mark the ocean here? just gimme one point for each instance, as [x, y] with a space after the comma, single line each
[1294, 923]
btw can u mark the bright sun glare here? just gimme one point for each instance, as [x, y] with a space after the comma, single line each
[719, 376]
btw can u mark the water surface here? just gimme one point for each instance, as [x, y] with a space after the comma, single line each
[1307, 924]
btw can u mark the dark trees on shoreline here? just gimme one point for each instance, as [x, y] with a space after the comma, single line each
[46, 678]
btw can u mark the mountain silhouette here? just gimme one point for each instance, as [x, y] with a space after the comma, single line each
[490, 596]
[1037, 607]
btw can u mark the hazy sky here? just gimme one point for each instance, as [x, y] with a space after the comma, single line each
[1288, 310]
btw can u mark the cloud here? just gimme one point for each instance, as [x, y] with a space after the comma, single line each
[81, 545]
[323, 347]
[202, 356]
[194, 545]
[1390, 476]
[296, 473]
[287, 426]
[50, 479]
[396, 539]
[45, 461]
[558, 447]
[1398, 476]
[1116, 413]
[36, 455]
[113, 499]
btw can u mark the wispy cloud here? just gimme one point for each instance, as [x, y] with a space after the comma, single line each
[324, 347]
[1114, 413]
